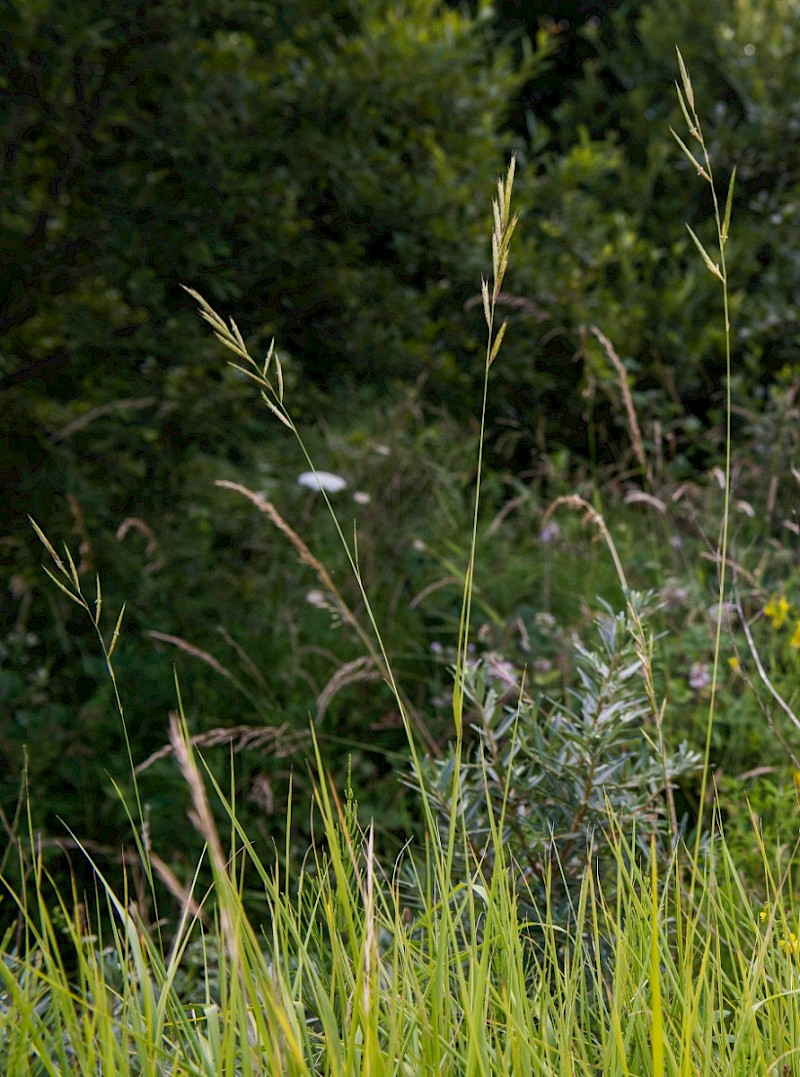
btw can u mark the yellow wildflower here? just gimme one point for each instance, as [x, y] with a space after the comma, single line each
[795, 640]
[734, 663]
[777, 609]
[791, 945]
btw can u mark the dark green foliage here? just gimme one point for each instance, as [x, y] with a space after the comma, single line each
[321, 171]
[603, 242]
[307, 162]
[321, 167]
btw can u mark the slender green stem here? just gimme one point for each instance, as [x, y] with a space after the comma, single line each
[719, 270]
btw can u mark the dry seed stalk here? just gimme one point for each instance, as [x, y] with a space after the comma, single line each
[625, 389]
[574, 501]
[306, 556]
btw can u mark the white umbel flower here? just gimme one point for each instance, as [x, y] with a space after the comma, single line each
[322, 480]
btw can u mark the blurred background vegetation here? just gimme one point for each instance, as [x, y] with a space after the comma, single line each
[322, 172]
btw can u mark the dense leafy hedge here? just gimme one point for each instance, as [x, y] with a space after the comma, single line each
[320, 171]
[605, 229]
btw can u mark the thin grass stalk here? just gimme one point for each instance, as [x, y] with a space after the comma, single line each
[504, 225]
[657, 1024]
[720, 271]
[70, 585]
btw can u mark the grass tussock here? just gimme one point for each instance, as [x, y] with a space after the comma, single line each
[551, 918]
[359, 968]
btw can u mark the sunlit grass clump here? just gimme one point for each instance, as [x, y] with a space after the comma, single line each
[550, 918]
[358, 967]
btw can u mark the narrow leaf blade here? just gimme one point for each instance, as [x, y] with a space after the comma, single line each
[487, 311]
[45, 541]
[229, 342]
[268, 357]
[238, 335]
[711, 266]
[687, 82]
[498, 340]
[728, 206]
[72, 570]
[287, 422]
[279, 372]
[688, 152]
[689, 123]
[115, 636]
[62, 587]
